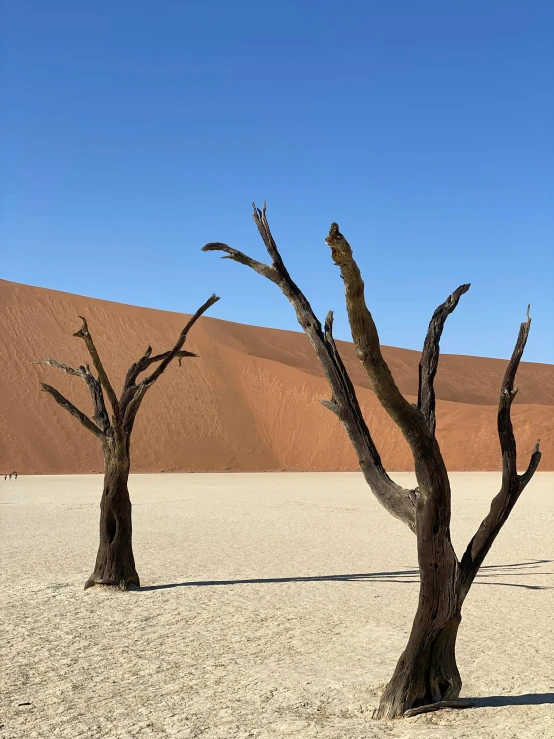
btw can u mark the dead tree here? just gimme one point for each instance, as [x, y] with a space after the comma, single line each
[115, 563]
[426, 676]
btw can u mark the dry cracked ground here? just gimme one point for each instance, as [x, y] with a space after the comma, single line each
[274, 605]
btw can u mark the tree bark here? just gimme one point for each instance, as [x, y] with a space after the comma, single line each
[426, 672]
[115, 563]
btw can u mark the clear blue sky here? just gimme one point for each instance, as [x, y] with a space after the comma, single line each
[135, 132]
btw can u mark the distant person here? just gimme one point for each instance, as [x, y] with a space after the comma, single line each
[10, 475]
[15, 475]
[5, 476]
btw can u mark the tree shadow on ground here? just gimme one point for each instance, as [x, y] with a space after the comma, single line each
[402, 576]
[530, 699]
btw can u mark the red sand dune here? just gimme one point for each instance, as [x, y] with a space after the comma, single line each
[249, 402]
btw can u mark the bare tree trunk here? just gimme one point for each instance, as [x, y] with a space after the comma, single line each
[115, 563]
[427, 672]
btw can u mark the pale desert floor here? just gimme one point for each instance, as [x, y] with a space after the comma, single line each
[275, 605]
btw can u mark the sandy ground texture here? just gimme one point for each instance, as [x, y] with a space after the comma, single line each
[274, 605]
[249, 402]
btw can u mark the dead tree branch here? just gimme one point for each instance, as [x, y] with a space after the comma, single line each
[512, 484]
[169, 356]
[344, 404]
[84, 334]
[430, 356]
[70, 408]
[133, 394]
[146, 360]
[366, 340]
[95, 389]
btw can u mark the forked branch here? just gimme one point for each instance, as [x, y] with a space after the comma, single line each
[70, 408]
[366, 341]
[344, 403]
[237, 256]
[170, 355]
[84, 334]
[512, 484]
[133, 394]
[146, 360]
[430, 357]
[95, 389]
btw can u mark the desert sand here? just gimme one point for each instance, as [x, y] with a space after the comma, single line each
[249, 402]
[273, 605]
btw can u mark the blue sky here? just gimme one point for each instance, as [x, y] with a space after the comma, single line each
[135, 132]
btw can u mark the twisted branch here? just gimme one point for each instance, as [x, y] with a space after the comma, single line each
[169, 356]
[133, 394]
[430, 356]
[366, 340]
[84, 334]
[95, 389]
[146, 360]
[512, 484]
[70, 408]
[344, 403]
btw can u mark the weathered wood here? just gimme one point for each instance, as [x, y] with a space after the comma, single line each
[426, 677]
[84, 333]
[430, 356]
[115, 563]
[100, 416]
[427, 669]
[70, 408]
[512, 484]
[344, 403]
[438, 707]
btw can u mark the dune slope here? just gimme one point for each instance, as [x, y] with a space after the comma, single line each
[249, 402]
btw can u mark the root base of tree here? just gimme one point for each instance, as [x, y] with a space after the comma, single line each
[437, 707]
[113, 584]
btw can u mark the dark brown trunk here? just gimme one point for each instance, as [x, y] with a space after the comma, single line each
[426, 672]
[115, 563]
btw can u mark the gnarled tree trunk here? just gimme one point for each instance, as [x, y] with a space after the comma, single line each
[115, 563]
[426, 672]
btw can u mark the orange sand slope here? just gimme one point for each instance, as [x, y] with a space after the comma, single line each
[249, 402]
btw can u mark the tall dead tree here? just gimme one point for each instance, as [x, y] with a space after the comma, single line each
[115, 563]
[426, 676]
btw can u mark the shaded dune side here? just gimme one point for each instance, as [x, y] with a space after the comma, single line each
[249, 402]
